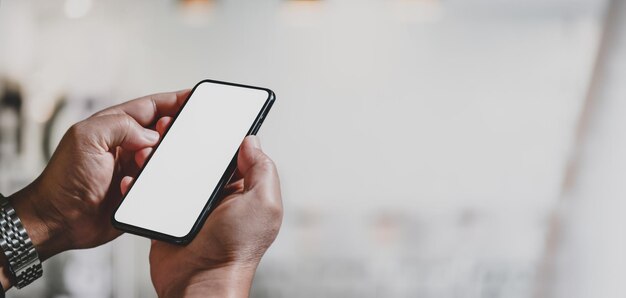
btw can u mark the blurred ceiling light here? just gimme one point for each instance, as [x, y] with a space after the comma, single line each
[196, 12]
[302, 12]
[414, 11]
[75, 9]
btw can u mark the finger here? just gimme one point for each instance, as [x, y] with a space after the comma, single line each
[125, 184]
[126, 162]
[162, 124]
[111, 131]
[258, 170]
[146, 110]
[142, 155]
[260, 179]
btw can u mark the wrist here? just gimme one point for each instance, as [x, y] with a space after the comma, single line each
[47, 236]
[30, 227]
[5, 274]
[228, 281]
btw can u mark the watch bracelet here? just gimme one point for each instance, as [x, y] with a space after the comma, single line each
[23, 260]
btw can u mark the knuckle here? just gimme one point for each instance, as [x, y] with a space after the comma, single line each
[77, 130]
[97, 114]
[273, 206]
[121, 121]
[125, 121]
[125, 124]
[102, 113]
[276, 212]
[274, 225]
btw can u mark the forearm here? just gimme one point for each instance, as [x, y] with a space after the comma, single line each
[231, 281]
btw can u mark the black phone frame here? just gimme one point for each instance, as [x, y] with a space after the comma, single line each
[215, 197]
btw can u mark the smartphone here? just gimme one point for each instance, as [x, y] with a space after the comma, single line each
[181, 181]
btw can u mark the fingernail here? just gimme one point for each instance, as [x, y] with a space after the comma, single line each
[152, 135]
[256, 143]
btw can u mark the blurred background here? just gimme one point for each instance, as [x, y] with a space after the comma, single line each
[427, 148]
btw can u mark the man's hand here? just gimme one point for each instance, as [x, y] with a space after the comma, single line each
[222, 259]
[70, 204]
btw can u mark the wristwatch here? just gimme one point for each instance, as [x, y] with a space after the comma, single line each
[24, 264]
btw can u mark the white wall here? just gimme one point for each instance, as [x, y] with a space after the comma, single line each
[421, 144]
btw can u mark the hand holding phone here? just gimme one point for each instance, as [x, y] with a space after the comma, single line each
[223, 257]
[183, 178]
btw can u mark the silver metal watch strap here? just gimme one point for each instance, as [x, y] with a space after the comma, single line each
[23, 260]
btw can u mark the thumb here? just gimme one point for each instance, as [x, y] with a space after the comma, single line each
[256, 168]
[111, 131]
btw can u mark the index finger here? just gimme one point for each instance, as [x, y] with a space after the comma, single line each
[146, 110]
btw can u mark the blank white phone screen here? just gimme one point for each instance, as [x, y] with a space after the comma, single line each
[170, 193]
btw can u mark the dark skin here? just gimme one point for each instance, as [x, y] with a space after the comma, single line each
[234, 237]
[69, 205]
